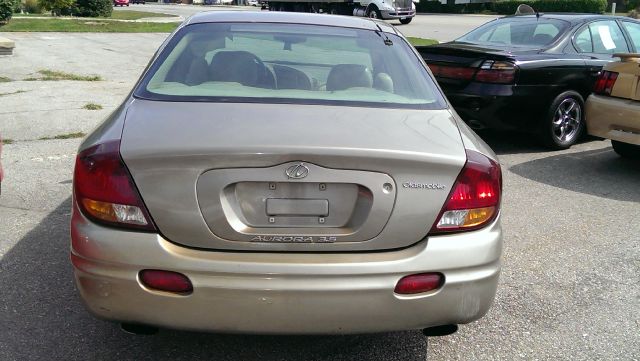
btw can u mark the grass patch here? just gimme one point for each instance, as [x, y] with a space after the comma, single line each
[135, 15]
[421, 41]
[11, 93]
[53, 75]
[117, 15]
[64, 136]
[8, 141]
[85, 26]
[92, 106]
[4, 79]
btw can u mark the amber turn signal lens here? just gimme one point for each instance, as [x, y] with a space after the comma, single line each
[116, 213]
[465, 217]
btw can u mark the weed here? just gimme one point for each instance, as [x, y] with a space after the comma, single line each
[54, 75]
[92, 106]
[65, 136]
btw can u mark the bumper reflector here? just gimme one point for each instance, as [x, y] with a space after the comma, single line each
[167, 281]
[419, 283]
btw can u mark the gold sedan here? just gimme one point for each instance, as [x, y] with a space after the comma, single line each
[613, 110]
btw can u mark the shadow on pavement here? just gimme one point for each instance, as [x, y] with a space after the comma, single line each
[505, 142]
[599, 172]
[42, 319]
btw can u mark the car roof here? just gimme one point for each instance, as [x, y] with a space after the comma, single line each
[570, 17]
[289, 18]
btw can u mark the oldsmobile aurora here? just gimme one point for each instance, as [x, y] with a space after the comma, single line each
[288, 174]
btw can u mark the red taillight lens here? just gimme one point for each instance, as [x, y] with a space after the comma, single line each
[104, 189]
[419, 283]
[490, 71]
[474, 200]
[166, 281]
[605, 82]
[453, 72]
[498, 72]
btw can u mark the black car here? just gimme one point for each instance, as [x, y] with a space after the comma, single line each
[530, 72]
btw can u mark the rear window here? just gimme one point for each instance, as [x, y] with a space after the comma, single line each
[289, 63]
[520, 32]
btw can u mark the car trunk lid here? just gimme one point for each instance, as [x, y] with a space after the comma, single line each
[291, 178]
[455, 64]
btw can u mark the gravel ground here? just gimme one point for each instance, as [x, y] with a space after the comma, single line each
[570, 287]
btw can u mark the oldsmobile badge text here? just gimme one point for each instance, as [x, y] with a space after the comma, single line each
[295, 239]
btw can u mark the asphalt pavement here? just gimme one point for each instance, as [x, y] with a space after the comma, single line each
[442, 27]
[570, 287]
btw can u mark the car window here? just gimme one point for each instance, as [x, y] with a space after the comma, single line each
[607, 38]
[261, 62]
[583, 41]
[634, 31]
[517, 31]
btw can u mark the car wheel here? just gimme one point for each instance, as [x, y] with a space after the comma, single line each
[626, 150]
[405, 21]
[374, 13]
[565, 122]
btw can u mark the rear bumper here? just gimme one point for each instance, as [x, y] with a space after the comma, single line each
[613, 118]
[502, 107]
[397, 14]
[278, 293]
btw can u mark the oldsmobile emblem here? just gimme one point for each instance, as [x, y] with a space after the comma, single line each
[297, 171]
[416, 185]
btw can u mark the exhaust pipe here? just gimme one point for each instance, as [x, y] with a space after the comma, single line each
[137, 329]
[443, 330]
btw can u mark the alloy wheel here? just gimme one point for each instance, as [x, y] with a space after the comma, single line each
[567, 120]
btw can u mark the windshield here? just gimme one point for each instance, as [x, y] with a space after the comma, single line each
[291, 63]
[520, 32]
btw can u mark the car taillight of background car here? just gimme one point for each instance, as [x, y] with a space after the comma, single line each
[489, 71]
[606, 81]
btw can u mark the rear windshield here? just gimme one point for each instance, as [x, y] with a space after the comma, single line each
[520, 32]
[289, 63]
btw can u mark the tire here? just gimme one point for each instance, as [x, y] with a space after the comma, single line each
[564, 124]
[405, 21]
[626, 150]
[374, 13]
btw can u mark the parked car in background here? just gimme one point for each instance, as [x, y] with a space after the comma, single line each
[613, 110]
[530, 72]
[120, 3]
[137, 2]
[253, 3]
[286, 173]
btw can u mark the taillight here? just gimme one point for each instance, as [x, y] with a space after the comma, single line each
[499, 72]
[490, 71]
[474, 200]
[453, 72]
[605, 82]
[104, 189]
